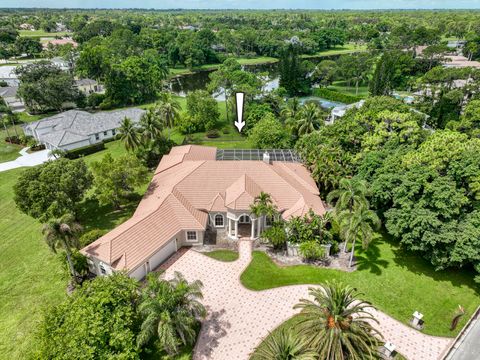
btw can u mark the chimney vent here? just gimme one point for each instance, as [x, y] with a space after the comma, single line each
[266, 158]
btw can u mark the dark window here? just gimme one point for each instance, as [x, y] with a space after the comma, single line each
[219, 220]
[97, 137]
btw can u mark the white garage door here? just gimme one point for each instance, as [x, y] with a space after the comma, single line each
[138, 273]
[163, 254]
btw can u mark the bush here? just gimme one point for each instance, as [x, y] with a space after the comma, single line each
[276, 236]
[3, 83]
[213, 133]
[90, 236]
[311, 250]
[226, 130]
[95, 100]
[86, 150]
[336, 96]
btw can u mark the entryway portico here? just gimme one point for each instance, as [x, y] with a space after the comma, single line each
[243, 225]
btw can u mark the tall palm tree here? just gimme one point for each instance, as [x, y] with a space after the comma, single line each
[263, 205]
[337, 325]
[309, 119]
[151, 125]
[4, 121]
[63, 233]
[358, 225]
[170, 312]
[283, 344]
[350, 194]
[129, 134]
[169, 110]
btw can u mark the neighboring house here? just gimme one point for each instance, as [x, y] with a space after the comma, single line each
[74, 129]
[89, 86]
[339, 111]
[9, 95]
[197, 197]
[61, 63]
[459, 61]
[26, 26]
[59, 42]
[7, 74]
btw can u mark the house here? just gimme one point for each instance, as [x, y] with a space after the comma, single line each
[59, 42]
[74, 129]
[26, 26]
[89, 86]
[61, 63]
[197, 196]
[7, 74]
[9, 96]
[339, 111]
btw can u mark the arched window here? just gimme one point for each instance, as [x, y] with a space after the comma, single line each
[244, 219]
[219, 220]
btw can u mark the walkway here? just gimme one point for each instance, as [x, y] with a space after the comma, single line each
[238, 319]
[26, 159]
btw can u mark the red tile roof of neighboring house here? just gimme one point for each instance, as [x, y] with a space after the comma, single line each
[187, 184]
[56, 42]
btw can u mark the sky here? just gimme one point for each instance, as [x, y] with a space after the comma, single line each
[247, 4]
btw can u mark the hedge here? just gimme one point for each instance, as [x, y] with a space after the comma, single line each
[336, 96]
[86, 150]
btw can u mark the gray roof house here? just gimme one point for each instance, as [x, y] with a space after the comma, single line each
[9, 95]
[74, 128]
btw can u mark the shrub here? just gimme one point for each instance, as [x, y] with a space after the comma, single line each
[86, 150]
[311, 250]
[90, 236]
[276, 236]
[213, 133]
[95, 100]
[3, 83]
[336, 96]
[226, 130]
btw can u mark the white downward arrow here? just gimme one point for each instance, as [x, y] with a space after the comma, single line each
[239, 100]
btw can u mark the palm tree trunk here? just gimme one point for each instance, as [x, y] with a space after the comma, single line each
[356, 88]
[351, 254]
[69, 260]
[14, 127]
[6, 130]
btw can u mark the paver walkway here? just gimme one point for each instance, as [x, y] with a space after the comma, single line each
[238, 319]
[26, 159]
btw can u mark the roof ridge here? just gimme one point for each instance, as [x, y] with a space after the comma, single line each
[182, 200]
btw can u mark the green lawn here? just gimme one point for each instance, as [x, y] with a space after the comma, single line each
[222, 255]
[41, 33]
[243, 61]
[344, 88]
[395, 281]
[31, 277]
[338, 50]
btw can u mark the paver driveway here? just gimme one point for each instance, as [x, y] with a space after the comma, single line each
[238, 318]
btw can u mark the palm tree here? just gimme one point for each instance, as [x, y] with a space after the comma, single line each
[151, 125]
[309, 119]
[4, 121]
[359, 224]
[282, 344]
[169, 110]
[63, 233]
[350, 194]
[129, 134]
[170, 312]
[337, 325]
[291, 109]
[263, 206]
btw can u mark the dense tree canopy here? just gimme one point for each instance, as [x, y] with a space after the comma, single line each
[52, 189]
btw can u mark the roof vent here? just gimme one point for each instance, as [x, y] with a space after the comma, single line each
[266, 158]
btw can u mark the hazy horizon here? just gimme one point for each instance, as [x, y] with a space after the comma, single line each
[246, 4]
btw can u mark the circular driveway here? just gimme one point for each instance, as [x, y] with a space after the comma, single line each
[238, 319]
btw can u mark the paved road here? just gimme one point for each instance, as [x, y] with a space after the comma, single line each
[26, 159]
[468, 347]
[238, 319]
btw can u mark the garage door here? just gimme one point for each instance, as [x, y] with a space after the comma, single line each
[163, 254]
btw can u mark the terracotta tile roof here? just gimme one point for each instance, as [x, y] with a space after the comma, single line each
[187, 184]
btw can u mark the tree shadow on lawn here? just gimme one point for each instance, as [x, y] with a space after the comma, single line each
[92, 215]
[370, 259]
[415, 263]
